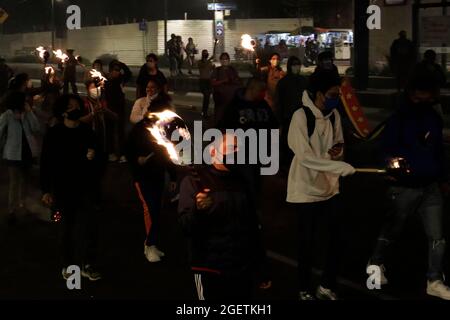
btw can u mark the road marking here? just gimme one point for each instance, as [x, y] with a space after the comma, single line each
[342, 281]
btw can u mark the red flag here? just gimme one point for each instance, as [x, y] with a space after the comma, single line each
[354, 110]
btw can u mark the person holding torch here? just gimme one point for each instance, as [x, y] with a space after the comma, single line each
[316, 139]
[414, 134]
[218, 215]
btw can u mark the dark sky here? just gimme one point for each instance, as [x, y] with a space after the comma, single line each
[30, 15]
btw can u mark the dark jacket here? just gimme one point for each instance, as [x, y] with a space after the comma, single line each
[65, 168]
[114, 94]
[289, 97]
[243, 114]
[141, 144]
[415, 134]
[225, 238]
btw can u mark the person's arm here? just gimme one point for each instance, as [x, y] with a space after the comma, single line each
[127, 74]
[137, 113]
[298, 141]
[187, 204]
[338, 139]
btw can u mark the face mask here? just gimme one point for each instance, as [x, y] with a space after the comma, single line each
[94, 93]
[225, 63]
[152, 97]
[296, 69]
[74, 115]
[331, 103]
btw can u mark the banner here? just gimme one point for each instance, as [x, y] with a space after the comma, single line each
[354, 110]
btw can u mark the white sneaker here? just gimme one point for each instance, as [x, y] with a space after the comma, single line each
[438, 289]
[325, 294]
[383, 280]
[151, 253]
[155, 249]
[123, 159]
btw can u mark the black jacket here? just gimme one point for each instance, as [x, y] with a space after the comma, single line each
[224, 239]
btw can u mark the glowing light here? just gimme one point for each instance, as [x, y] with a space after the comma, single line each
[98, 75]
[247, 42]
[49, 70]
[60, 55]
[41, 51]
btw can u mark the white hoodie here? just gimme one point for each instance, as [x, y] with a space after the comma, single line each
[139, 110]
[313, 176]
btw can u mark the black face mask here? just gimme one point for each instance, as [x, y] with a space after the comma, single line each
[74, 115]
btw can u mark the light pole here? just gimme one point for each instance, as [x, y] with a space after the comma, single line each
[166, 14]
[53, 24]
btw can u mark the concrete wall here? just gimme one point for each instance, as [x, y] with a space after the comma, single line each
[132, 45]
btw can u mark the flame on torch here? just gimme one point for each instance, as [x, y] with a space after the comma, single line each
[60, 55]
[158, 131]
[49, 70]
[247, 42]
[98, 75]
[41, 51]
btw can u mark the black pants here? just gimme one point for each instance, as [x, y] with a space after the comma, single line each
[319, 218]
[73, 84]
[78, 230]
[150, 193]
[206, 90]
[215, 287]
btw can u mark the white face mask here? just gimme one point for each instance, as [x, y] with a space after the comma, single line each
[94, 93]
[152, 97]
[296, 69]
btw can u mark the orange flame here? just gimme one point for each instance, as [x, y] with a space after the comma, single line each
[247, 42]
[41, 51]
[158, 132]
[60, 55]
[98, 74]
[49, 70]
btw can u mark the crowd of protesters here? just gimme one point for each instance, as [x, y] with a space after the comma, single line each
[219, 204]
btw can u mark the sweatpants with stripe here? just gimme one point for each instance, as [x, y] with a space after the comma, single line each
[150, 194]
[216, 287]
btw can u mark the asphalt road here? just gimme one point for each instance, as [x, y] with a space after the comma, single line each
[30, 269]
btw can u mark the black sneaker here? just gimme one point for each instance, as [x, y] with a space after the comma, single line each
[90, 273]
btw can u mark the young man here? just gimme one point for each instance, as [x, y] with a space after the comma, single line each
[67, 168]
[414, 133]
[218, 214]
[315, 137]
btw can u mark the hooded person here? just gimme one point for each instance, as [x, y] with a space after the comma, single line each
[315, 137]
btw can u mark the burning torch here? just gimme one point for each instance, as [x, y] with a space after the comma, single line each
[99, 80]
[396, 167]
[43, 54]
[162, 126]
[249, 44]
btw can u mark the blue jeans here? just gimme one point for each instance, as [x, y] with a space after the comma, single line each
[405, 202]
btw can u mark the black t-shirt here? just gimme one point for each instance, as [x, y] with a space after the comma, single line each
[64, 162]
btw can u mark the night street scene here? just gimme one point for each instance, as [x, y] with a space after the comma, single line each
[241, 153]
